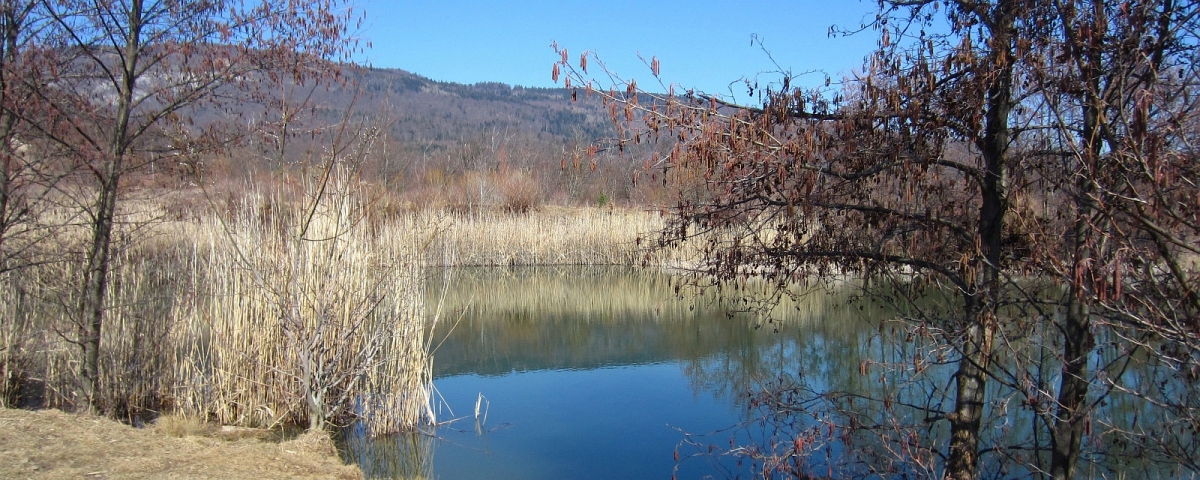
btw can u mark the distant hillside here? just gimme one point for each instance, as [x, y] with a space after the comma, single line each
[441, 113]
[465, 145]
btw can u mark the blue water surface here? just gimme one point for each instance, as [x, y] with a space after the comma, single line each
[614, 422]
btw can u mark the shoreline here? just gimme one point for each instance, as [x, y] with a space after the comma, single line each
[54, 444]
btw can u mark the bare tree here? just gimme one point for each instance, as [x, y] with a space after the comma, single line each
[809, 185]
[986, 151]
[120, 83]
[1123, 123]
[29, 173]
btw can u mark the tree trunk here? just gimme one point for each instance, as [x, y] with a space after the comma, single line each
[95, 287]
[95, 280]
[971, 377]
[12, 24]
[1071, 415]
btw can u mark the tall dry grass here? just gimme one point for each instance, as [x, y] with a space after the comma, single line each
[298, 303]
[554, 236]
[278, 310]
[312, 313]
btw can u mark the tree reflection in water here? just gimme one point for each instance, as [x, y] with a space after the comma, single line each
[837, 383]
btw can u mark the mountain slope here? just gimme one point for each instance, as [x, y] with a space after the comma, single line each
[442, 113]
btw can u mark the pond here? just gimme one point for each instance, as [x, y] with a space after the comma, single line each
[604, 373]
[592, 373]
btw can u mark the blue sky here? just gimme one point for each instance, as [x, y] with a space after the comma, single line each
[702, 45]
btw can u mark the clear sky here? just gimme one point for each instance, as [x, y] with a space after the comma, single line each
[702, 45]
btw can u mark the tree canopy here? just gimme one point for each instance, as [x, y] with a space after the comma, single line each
[1031, 159]
[99, 88]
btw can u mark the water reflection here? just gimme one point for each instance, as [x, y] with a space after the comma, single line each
[599, 373]
[613, 373]
[406, 455]
[525, 319]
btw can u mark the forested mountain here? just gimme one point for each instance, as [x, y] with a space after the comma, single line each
[482, 144]
[429, 112]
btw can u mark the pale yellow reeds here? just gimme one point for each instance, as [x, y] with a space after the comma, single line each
[560, 236]
[279, 310]
[262, 309]
[311, 311]
[550, 236]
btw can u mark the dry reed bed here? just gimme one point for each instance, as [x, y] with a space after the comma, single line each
[550, 236]
[259, 310]
[320, 292]
[272, 313]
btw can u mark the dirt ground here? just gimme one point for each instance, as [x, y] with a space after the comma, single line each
[53, 444]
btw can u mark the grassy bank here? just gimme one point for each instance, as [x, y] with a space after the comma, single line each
[53, 444]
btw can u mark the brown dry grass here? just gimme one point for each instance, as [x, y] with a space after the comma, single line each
[216, 309]
[53, 444]
[553, 235]
[267, 311]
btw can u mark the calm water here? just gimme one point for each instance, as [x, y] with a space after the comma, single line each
[592, 373]
[582, 373]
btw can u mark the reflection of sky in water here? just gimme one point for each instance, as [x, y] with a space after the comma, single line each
[602, 373]
[606, 423]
